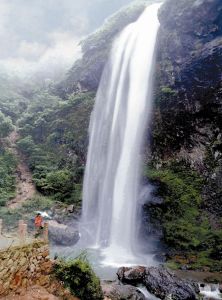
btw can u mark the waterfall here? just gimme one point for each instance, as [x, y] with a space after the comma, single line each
[117, 127]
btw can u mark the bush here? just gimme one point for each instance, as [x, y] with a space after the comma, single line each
[79, 277]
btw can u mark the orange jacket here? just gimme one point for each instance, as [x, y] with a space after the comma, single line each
[38, 221]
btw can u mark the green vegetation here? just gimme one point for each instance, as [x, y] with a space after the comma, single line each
[165, 95]
[54, 141]
[181, 190]
[7, 176]
[54, 138]
[6, 126]
[36, 203]
[167, 90]
[79, 277]
[186, 227]
[11, 217]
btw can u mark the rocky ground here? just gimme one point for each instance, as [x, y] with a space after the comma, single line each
[38, 293]
[160, 282]
[32, 293]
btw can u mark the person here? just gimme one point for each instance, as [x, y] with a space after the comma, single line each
[38, 224]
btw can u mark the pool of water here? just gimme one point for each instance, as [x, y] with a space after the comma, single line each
[103, 261]
[106, 262]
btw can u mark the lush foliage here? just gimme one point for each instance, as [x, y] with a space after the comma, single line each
[54, 141]
[181, 190]
[6, 126]
[7, 176]
[185, 225]
[79, 277]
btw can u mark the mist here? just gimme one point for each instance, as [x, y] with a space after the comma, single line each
[42, 37]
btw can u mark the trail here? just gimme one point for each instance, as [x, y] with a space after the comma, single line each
[25, 188]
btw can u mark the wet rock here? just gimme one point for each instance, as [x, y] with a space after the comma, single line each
[163, 283]
[116, 291]
[131, 275]
[160, 282]
[60, 234]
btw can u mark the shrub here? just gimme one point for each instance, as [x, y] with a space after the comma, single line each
[79, 277]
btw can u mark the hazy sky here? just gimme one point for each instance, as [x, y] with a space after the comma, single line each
[36, 33]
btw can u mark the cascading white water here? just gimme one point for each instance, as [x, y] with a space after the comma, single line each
[118, 122]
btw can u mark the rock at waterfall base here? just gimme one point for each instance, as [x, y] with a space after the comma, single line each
[60, 234]
[117, 291]
[160, 281]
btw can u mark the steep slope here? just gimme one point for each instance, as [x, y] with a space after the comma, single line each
[186, 152]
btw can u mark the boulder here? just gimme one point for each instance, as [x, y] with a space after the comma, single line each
[117, 291]
[60, 234]
[132, 276]
[160, 281]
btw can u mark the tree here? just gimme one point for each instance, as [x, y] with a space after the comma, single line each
[6, 126]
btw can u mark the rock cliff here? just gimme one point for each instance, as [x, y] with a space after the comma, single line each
[184, 161]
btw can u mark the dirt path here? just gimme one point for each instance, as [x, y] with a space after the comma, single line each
[25, 188]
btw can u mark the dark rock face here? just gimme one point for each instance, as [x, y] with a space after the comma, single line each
[116, 291]
[187, 120]
[190, 65]
[160, 282]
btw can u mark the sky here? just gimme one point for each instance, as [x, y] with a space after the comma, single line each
[44, 34]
